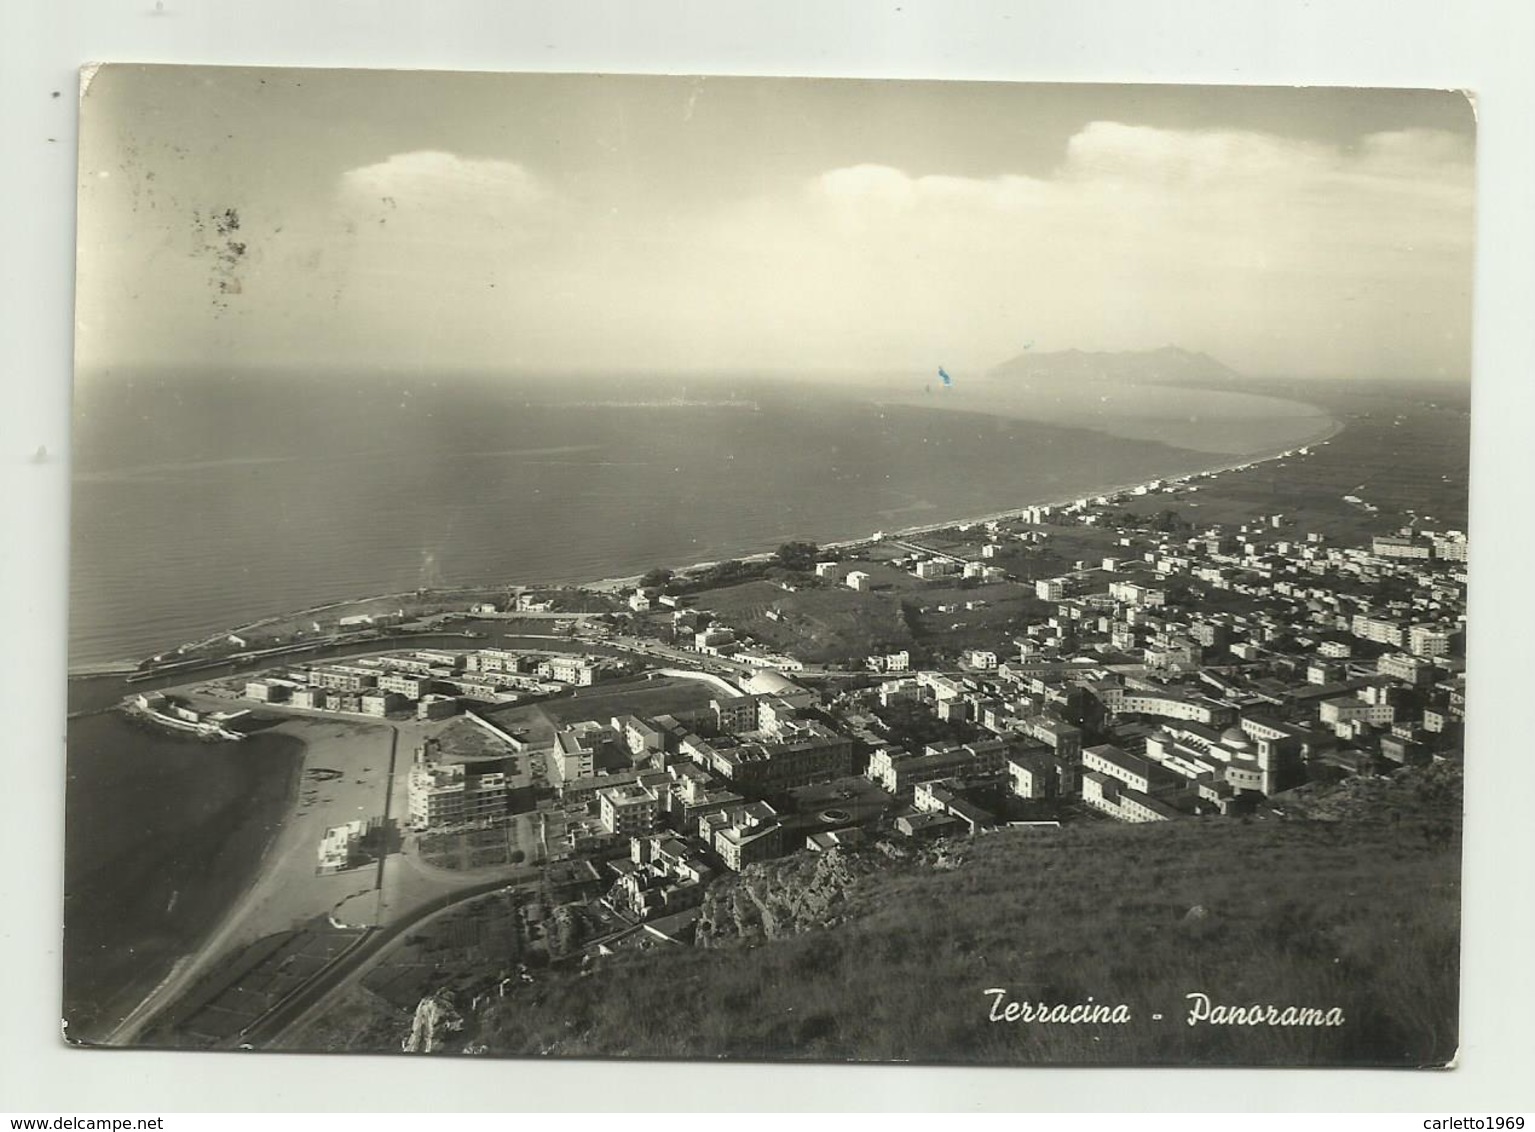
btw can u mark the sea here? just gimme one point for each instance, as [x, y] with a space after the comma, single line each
[206, 499]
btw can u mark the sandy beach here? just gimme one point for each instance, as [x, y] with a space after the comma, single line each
[345, 777]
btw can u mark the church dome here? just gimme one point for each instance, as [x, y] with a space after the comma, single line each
[1235, 739]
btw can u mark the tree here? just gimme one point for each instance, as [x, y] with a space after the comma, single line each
[655, 579]
[798, 555]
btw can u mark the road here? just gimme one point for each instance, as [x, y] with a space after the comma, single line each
[275, 1028]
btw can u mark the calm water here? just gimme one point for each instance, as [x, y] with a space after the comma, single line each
[162, 833]
[202, 501]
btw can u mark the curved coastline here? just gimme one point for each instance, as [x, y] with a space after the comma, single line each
[1229, 463]
[187, 968]
[247, 813]
[147, 995]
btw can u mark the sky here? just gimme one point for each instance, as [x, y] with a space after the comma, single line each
[357, 220]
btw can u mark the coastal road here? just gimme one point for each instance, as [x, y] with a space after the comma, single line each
[279, 1027]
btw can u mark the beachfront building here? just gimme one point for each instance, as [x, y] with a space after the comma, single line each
[338, 845]
[444, 795]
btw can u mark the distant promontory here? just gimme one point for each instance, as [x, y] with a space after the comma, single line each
[1169, 365]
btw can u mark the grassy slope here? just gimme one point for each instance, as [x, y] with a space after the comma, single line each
[1362, 915]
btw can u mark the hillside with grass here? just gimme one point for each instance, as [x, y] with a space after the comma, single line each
[900, 958]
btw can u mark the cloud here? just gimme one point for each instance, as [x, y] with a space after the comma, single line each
[1274, 253]
[439, 182]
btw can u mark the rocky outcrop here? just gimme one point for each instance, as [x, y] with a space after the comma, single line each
[780, 898]
[1432, 792]
[435, 1021]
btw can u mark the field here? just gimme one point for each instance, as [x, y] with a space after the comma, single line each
[509, 842]
[659, 695]
[461, 739]
[822, 624]
[536, 723]
[1004, 610]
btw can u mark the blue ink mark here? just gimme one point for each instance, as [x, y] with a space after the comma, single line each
[943, 373]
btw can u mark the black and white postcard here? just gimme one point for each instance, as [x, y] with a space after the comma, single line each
[768, 568]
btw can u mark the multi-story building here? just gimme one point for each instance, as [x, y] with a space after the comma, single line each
[1052, 589]
[1392, 546]
[578, 670]
[407, 684]
[379, 703]
[1408, 669]
[806, 753]
[436, 707]
[314, 698]
[343, 678]
[629, 811]
[943, 797]
[743, 835]
[899, 773]
[577, 751]
[734, 714]
[690, 792]
[1032, 773]
[1132, 593]
[639, 736]
[1377, 629]
[1450, 547]
[1132, 771]
[1111, 796]
[446, 794]
[1345, 709]
[1430, 640]
[1121, 700]
[1065, 739]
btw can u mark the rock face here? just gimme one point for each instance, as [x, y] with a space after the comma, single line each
[781, 898]
[435, 1020]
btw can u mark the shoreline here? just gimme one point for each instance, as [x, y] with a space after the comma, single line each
[242, 915]
[191, 964]
[618, 583]
[284, 889]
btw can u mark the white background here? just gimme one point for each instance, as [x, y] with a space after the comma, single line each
[1481, 46]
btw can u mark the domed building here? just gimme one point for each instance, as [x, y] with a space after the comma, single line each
[766, 682]
[1234, 739]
